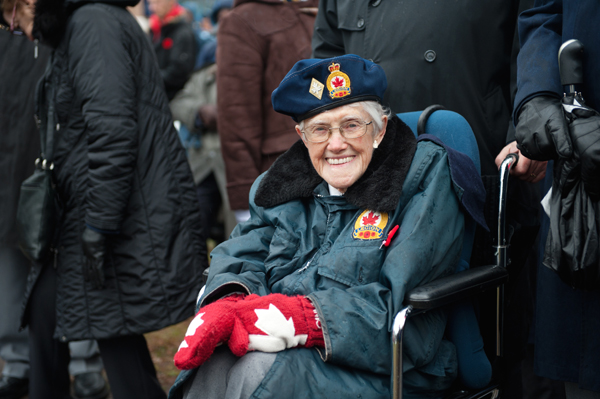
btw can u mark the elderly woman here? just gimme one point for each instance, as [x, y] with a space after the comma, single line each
[321, 266]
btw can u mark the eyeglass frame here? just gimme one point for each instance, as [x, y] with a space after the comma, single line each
[339, 130]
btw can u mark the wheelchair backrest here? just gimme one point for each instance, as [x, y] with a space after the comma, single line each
[454, 130]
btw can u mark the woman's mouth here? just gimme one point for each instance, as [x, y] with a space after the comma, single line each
[339, 161]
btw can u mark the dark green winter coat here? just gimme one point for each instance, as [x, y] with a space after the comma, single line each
[300, 240]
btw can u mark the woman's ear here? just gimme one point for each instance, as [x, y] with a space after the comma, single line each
[380, 135]
[300, 134]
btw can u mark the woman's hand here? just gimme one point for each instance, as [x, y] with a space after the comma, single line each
[273, 323]
[211, 327]
[526, 169]
[268, 323]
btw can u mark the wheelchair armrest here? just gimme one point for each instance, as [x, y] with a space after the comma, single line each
[449, 289]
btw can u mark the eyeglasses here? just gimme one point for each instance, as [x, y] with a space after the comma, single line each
[350, 130]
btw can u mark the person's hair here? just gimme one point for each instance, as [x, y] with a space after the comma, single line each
[375, 110]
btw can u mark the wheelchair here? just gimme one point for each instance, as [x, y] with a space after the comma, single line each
[456, 133]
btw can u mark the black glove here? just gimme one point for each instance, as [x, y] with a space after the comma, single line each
[541, 131]
[94, 249]
[585, 134]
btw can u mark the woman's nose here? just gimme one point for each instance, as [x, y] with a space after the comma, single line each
[337, 142]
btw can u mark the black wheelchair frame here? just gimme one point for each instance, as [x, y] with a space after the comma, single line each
[462, 285]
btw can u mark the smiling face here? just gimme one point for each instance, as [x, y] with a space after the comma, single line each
[341, 161]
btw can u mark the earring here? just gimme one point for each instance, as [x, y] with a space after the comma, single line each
[375, 145]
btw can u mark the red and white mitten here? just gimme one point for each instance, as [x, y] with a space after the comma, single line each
[273, 323]
[212, 325]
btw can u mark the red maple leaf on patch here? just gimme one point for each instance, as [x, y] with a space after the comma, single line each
[337, 82]
[371, 219]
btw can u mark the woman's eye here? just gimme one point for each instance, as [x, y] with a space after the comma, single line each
[320, 129]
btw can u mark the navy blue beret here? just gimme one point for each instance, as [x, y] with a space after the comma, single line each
[316, 85]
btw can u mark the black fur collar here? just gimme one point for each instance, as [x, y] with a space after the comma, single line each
[292, 176]
[50, 21]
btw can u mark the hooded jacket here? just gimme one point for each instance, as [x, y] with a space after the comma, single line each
[119, 167]
[259, 41]
[300, 240]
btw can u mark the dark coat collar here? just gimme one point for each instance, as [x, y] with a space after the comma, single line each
[292, 176]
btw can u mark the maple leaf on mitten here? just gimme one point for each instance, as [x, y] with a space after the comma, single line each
[273, 323]
[211, 326]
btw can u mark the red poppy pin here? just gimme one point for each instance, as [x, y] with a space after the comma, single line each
[167, 43]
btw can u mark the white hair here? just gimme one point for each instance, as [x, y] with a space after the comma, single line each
[375, 110]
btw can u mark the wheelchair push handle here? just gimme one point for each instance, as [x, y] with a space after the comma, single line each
[502, 244]
[570, 64]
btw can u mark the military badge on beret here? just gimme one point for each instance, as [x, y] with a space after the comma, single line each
[338, 83]
[316, 88]
[301, 93]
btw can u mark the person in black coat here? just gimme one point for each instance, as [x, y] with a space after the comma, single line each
[174, 42]
[19, 147]
[567, 343]
[130, 254]
[23, 63]
[457, 54]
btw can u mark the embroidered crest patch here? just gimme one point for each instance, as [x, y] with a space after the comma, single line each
[370, 225]
[338, 83]
[316, 88]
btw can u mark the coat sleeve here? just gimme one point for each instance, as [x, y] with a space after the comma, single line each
[194, 94]
[357, 321]
[540, 35]
[240, 104]
[104, 77]
[238, 265]
[327, 40]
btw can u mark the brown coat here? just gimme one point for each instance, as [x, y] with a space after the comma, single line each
[258, 43]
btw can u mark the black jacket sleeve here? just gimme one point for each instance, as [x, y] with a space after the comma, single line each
[104, 77]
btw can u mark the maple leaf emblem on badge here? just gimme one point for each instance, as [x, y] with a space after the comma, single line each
[337, 82]
[370, 219]
[315, 88]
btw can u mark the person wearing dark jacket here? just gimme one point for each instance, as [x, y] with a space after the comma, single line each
[458, 54]
[129, 257]
[258, 43]
[23, 63]
[567, 343]
[19, 147]
[174, 42]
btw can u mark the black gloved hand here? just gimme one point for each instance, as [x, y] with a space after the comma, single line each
[541, 131]
[94, 248]
[585, 134]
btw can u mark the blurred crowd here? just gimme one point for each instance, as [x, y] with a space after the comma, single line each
[193, 80]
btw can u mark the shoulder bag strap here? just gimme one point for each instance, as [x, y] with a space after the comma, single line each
[45, 94]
